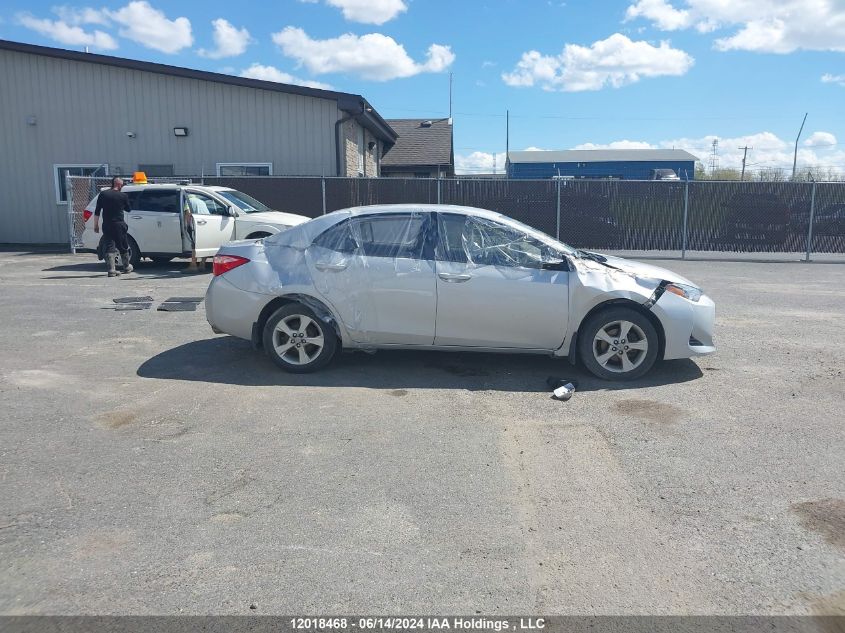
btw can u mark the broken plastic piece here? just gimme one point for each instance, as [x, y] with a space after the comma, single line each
[132, 299]
[563, 388]
[184, 300]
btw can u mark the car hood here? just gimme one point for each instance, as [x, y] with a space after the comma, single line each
[274, 217]
[645, 270]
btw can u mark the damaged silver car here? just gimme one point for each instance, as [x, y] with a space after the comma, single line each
[455, 279]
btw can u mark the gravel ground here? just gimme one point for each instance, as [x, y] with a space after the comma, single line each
[148, 466]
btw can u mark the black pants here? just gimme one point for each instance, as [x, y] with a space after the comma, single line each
[115, 237]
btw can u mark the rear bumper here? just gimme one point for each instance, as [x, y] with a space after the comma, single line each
[230, 310]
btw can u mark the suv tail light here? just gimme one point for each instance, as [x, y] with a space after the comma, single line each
[86, 215]
[225, 263]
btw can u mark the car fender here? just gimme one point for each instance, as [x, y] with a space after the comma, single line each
[246, 227]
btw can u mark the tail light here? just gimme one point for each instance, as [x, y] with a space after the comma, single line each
[225, 263]
[87, 214]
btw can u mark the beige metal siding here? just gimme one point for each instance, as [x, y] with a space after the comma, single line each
[84, 111]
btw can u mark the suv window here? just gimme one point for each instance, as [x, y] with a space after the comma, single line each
[134, 199]
[200, 204]
[159, 200]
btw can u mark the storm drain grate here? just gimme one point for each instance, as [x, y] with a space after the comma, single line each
[184, 306]
[184, 300]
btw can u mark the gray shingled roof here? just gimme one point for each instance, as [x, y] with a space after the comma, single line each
[598, 155]
[418, 145]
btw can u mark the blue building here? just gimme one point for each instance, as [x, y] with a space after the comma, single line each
[624, 164]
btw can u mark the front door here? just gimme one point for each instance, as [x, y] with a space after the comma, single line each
[496, 288]
[377, 273]
[212, 223]
[155, 221]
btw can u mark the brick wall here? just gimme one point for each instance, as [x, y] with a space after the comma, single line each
[350, 151]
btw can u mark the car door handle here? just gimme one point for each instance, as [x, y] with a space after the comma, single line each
[454, 277]
[324, 266]
[136, 217]
[202, 221]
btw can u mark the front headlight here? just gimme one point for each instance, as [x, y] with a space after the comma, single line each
[687, 292]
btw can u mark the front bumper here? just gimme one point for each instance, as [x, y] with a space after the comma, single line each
[688, 326]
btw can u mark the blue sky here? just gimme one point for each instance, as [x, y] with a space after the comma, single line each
[580, 73]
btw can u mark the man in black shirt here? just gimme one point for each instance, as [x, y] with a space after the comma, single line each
[112, 203]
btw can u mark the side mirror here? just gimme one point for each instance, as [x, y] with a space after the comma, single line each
[560, 264]
[232, 212]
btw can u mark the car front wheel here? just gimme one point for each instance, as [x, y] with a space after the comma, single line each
[297, 340]
[618, 344]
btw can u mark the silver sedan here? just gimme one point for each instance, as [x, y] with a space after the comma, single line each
[453, 279]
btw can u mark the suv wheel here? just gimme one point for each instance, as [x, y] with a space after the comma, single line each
[297, 340]
[618, 343]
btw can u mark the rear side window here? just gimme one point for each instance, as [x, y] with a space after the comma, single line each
[159, 200]
[395, 235]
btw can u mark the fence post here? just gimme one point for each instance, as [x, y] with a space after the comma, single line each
[70, 224]
[323, 187]
[810, 228]
[686, 211]
[557, 234]
[438, 191]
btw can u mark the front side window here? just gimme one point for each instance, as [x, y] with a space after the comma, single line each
[159, 200]
[482, 242]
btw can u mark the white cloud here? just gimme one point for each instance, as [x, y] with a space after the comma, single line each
[615, 61]
[373, 56]
[65, 33]
[664, 15]
[271, 73]
[820, 139]
[480, 163]
[369, 11]
[150, 27]
[768, 26]
[626, 144]
[86, 15]
[229, 41]
[833, 79]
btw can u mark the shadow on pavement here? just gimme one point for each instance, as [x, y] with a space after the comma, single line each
[145, 270]
[231, 361]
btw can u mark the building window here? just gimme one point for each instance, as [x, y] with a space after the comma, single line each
[157, 171]
[244, 169]
[361, 151]
[61, 172]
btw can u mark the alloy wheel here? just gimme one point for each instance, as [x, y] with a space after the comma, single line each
[620, 346]
[298, 339]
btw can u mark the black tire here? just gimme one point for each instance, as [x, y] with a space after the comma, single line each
[161, 260]
[315, 328]
[611, 318]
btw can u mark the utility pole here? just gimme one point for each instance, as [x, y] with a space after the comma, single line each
[744, 155]
[507, 138]
[714, 158]
[795, 156]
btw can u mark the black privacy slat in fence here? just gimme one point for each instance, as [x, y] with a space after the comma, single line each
[595, 214]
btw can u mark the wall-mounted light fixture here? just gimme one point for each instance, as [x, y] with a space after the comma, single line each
[131, 134]
[31, 120]
[180, 131]
[371, 145]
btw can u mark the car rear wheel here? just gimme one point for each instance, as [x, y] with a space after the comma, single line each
[297, 340]
[618, 344]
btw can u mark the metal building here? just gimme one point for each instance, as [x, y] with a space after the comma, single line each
[68, 112]
[624, 164]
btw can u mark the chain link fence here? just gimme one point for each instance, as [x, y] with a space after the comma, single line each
[721, 216]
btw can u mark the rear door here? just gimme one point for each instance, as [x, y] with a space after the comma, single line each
[377, 271]
[155, 222]
[212, 224]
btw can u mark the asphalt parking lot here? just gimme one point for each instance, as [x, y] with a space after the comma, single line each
[148, 466]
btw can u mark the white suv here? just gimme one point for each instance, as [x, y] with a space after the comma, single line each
[220, 215]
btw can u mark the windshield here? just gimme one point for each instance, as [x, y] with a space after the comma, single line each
[245, 203]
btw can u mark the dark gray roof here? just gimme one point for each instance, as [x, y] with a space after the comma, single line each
[420, 145]
[600, 155]
[348, 102]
